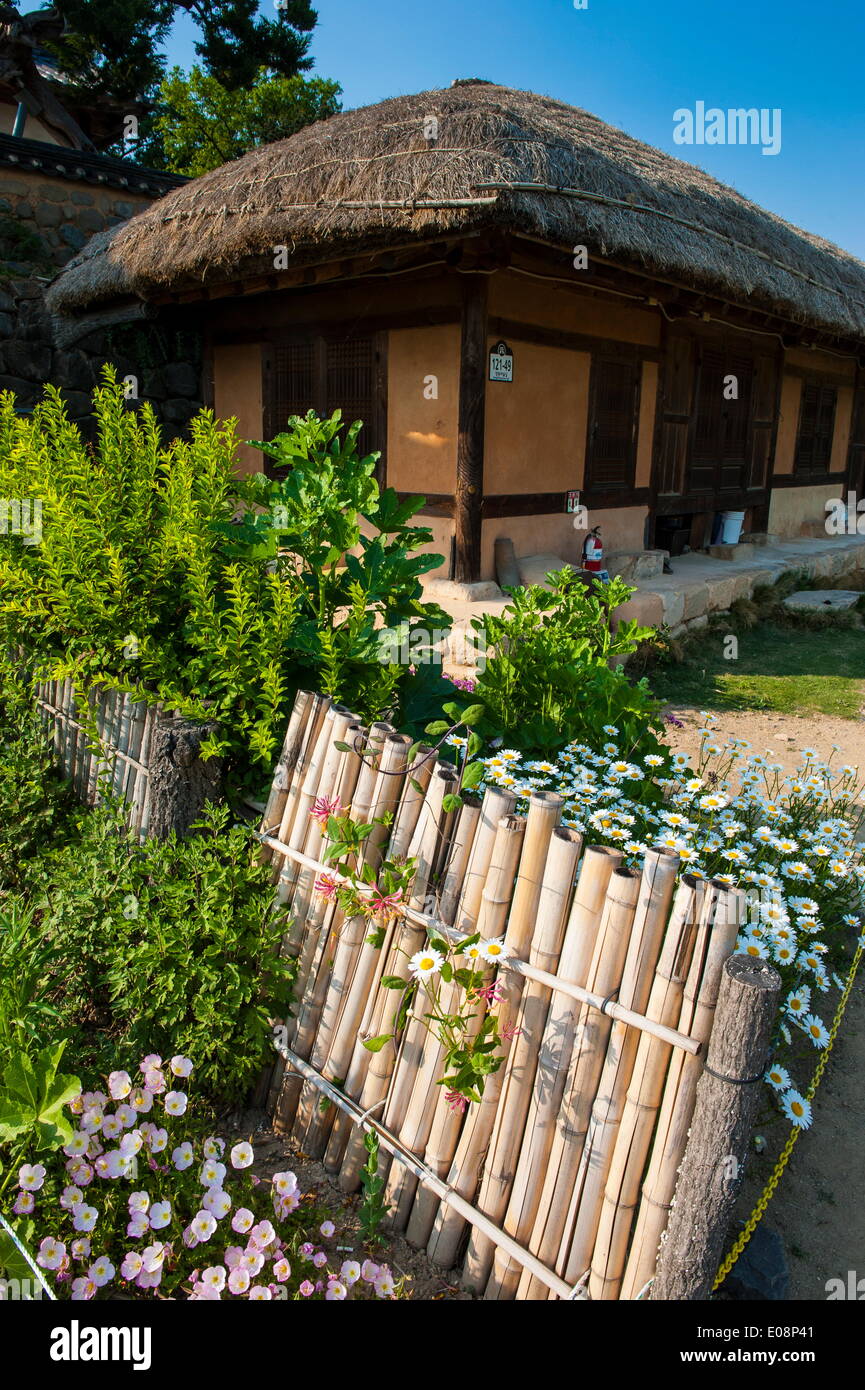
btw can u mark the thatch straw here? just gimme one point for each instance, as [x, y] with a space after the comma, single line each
[502, 159]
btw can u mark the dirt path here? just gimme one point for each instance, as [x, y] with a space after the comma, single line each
[817, 1209]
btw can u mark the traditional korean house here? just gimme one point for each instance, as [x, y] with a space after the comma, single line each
[528, 309]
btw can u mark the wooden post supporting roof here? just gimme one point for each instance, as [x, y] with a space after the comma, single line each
[470, 442]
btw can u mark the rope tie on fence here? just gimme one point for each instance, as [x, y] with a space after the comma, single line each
[775, 1177]
[733, 1080]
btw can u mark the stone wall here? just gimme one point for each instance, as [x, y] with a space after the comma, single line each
[52, 200]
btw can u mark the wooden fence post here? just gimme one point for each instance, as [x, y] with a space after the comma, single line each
[713, 1165]
[181, 781]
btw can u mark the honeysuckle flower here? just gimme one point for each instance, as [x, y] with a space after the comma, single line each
[242, 1220]
[203, 1225]
[31, 1176]
[217, 1202]
[180, 1066]
[349, 1272]
[242, 1155]
[336, 1291]
[323, 808]
[119, 1085]
[83, 1288]
[84, 1218]
[259, 1293]
[425, 963]
[493, 993]
[281, 1270]
[239, 1280]
[51, 1253]
[456, 1101]
[160, 1215]
[182, 1157]
[101, 1271]
[131, 1266]
[212, 1173]
[175, 1102]
[326, 886]
[214, 1147]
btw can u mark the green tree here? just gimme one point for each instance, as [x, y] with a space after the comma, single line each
[203, 124]
[112, 59]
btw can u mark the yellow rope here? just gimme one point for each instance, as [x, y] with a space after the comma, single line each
[790, 1145]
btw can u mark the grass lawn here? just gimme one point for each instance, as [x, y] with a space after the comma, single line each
[794, 671]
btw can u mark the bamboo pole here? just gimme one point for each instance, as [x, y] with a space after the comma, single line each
[496, 803]
[356, 961]
[675, 967]
[293, 812]
[727, 1097]
[697, 1014]
[464, 1171]
[283, 774]
[590, 1039]
[656, 895]
[584, 919]
[407, 938]
[410, 1106]
[521, 1065]
[143, 816]
[508, 1090]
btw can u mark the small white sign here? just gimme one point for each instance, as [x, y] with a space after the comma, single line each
[501, 363]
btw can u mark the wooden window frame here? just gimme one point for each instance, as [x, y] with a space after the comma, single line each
[826, 399]
[594, 489]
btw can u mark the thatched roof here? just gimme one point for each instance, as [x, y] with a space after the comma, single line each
[371, 178]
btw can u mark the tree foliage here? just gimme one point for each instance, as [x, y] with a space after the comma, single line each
[203, 124]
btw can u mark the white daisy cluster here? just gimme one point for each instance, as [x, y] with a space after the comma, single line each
[788, 841]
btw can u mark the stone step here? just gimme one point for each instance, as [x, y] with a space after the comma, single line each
[634, 565]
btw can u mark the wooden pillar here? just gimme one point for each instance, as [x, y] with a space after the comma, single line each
[728, 1093]
[470, 442]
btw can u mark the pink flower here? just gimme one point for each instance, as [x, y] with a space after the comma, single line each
[131, 1266]
[119, 1085]
[182, 1156]
[508, 1033]
[151, 1060]
[160, 1215]
[323, 808]
[24, 1204]
[336, 1291]
[306, 1250]
[81, 1248]
[238, 1280]
[282, 1270]
[233, 1256]
[307, 1288]
[369, 1272]
[261, 1235]
[326, 886]
[180, 1065]
[242, 1220]
[492, 993]
[259, 1294]
[175, 1102]
[242, 1155]
[82, 1289]
[101, 1271]
[327, 1229]
[31, 1176]
[84, 1217]
[456, 1102]
[383, 904]
[319, 1259]
[51, 1253]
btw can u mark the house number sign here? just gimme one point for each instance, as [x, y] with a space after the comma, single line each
[501, 363]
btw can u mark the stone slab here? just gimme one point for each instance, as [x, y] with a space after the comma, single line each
[835, 600]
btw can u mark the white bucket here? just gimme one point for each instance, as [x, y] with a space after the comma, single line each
[731, 527]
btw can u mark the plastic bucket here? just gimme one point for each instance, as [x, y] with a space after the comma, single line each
[731, 527]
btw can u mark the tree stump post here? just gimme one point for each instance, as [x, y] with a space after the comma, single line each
[713, 1166]
[181, 781]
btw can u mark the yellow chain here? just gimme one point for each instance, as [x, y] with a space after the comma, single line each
[790, 1145]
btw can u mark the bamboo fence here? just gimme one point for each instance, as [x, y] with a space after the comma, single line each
[559, 1182]
[118, 761]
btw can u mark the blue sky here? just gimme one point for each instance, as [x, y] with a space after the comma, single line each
[633, 63]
